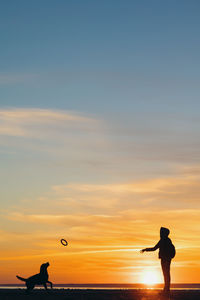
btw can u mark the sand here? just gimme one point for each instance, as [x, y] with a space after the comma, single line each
[91, 294]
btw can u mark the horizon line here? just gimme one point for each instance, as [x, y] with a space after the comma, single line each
[96, 284]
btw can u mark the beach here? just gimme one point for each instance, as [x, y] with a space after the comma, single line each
[97, 294]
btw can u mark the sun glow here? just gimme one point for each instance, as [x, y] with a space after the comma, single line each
[150, 277]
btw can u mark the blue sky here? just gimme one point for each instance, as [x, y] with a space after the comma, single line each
[99, 56]
[99, 114]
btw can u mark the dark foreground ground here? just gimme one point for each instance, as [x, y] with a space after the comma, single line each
[90, 294]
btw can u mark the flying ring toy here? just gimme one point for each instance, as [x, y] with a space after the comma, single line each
[64, 242]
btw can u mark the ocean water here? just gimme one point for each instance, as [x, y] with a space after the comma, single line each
[179, 286]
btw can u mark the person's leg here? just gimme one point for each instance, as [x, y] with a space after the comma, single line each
[166, 273]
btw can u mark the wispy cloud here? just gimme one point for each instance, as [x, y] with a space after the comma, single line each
[127, 226]
[157, 192]
[30, 122]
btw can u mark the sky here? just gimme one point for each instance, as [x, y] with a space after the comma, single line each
[99, 138]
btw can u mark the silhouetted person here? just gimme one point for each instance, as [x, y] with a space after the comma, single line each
[166, 253]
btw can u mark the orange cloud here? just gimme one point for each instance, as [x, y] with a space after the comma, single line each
[32, 122]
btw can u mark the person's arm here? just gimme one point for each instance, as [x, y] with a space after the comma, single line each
[151, 249]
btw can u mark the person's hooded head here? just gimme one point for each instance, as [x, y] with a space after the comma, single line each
[164, 232]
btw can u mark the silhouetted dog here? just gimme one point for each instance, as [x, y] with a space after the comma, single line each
[38, 279]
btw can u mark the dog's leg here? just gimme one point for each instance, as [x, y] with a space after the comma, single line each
[51, 284]
[30, 287]
[45, 286]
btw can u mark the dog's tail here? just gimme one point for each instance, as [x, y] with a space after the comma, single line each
[20, 278]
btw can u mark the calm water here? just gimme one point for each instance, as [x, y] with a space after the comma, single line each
[108, 286]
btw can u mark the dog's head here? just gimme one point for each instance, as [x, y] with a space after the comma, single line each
[44, 267]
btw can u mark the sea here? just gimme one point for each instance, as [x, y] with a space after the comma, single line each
[110, 286]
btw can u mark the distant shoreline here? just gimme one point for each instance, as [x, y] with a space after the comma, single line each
[111, 285]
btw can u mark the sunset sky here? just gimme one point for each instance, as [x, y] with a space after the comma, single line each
[99, 138]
